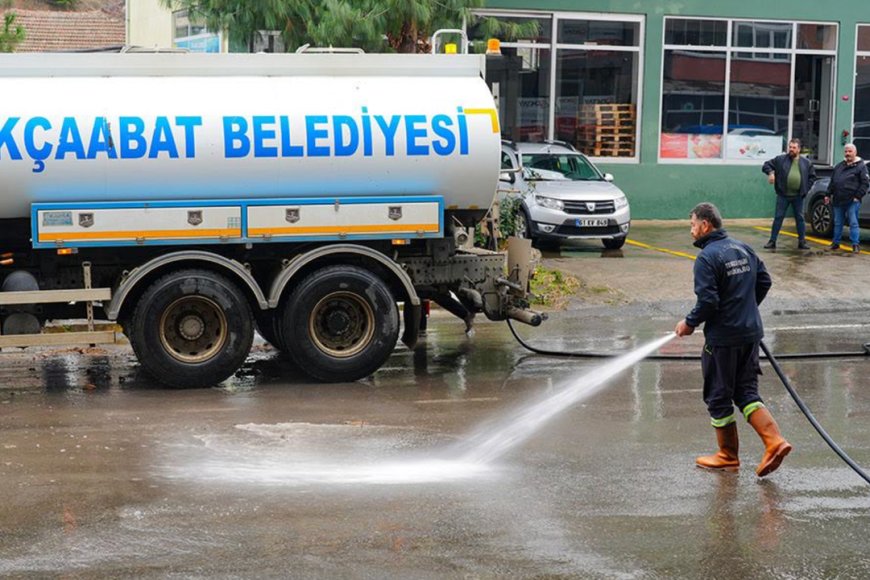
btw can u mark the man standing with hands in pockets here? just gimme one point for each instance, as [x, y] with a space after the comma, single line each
[792, 176]
[849, 183]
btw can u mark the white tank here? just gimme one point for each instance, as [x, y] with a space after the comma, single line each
[138, 127]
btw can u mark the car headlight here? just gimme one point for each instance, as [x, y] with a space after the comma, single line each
[620, 202]
[549, 202]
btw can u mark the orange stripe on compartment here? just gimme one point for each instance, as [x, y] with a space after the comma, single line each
[146, 235]
[333, 230]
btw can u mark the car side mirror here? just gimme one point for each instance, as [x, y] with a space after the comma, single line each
[508, 176]
[608, 177]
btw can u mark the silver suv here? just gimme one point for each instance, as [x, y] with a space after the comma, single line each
[563, 195]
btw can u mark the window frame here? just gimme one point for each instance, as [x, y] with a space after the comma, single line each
[730, 49]
[553, 46]
[858, 54]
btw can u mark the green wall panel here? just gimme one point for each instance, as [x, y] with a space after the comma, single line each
[660, 191]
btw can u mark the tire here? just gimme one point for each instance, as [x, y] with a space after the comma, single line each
[523, 225]
[269, 327]
[192, 328]
[344, 324]
[821, 218]
[614, 243]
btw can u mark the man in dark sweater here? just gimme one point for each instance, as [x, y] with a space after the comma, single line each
[730, 283]
[849, 184]
[792, 176]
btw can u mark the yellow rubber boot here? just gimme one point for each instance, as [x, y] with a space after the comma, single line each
[726, 457]
[775, 446]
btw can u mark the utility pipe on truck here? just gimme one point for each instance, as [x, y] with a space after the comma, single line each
[193, 198]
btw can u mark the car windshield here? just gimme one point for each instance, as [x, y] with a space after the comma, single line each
[559, 167]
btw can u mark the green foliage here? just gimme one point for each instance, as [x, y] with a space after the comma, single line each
[507, 215]
[373, 25]
[65, 3]
[553, 288]
[11, 34]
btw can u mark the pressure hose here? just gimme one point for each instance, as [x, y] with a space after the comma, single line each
[805, 410]
[773, 362]
[785, 356]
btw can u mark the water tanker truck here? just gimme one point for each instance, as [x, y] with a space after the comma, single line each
[195, 198]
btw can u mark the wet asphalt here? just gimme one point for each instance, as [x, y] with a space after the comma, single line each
[103, 474]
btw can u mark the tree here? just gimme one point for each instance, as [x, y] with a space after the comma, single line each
[11, 34]
[374, 25]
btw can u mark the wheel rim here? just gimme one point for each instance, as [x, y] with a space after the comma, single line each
[522, 227]
[193, 329]
[342, 324]
[821, 218]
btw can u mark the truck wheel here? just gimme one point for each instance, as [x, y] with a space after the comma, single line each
[341, 324]
[821, 218]
[192, 328]
[268, 325]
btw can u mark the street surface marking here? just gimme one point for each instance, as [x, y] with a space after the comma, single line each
[809, 238]
[663, 250]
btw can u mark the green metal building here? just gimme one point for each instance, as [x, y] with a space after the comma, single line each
[684, 100]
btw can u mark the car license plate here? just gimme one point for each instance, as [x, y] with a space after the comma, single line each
[590, 223]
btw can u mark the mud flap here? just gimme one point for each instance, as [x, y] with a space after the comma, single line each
[412, 324]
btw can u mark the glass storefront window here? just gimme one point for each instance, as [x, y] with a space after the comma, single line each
[596, 97]
[691, 32]
[763, 34]
[520, 81]
[693, 105]
[781, 80]
[758, 106]
[861, 127]
[817, 37]
[598, 32]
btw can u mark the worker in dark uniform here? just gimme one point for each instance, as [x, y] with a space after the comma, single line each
[730, 283]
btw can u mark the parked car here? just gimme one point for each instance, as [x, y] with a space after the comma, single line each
[819, 216]
[564, 196]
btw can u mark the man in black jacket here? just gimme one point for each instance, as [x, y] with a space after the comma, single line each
[849, 184]
[730, 283]
[792, 177]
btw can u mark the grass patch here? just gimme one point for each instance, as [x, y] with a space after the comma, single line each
[553, 288]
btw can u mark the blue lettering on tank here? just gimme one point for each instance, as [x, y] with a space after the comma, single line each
[389, 131]
[287, 148]
[101, 140]
[188, 124]
[446, 141]
[463, 132]
[38, 154]
[236, 141]
[412, 133]
[6, 139]
[261, 134]
[70, 140]
[163, 141]
[131, 136]
[367, 132]
[313, 133]
[339, 124]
